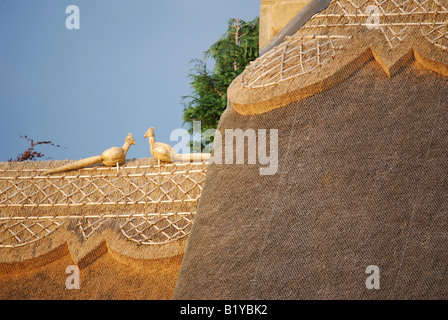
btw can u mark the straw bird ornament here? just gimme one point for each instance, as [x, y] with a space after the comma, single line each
[164, 152]
[110, 157]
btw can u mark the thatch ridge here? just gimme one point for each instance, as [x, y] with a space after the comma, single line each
[335, 43]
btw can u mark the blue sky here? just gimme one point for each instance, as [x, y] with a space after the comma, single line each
[123, 71]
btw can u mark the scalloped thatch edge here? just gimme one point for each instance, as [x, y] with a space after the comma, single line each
[82, 254]
[296, 93]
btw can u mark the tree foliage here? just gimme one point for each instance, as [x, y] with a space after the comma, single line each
[231, 54]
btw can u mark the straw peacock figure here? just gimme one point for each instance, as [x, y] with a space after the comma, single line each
[164, 152]
[111, 157]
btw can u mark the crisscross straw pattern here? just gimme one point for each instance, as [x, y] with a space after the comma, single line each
[102, 189]
[99, 187]
[321, 38]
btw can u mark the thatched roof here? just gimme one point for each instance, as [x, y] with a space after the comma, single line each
[336, 42]
[362, 174]
[142, 212]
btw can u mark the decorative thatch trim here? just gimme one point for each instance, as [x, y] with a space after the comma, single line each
[338, 41]
[50, 224]
[83, 253]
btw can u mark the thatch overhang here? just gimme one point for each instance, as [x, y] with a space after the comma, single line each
[132, 222]
[336, 42]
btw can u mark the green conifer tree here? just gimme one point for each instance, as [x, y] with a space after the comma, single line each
[231, 54]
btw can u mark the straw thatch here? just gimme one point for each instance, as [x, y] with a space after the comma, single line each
[109, 276]
[362, 175]
[336, 42]
[139, 212]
